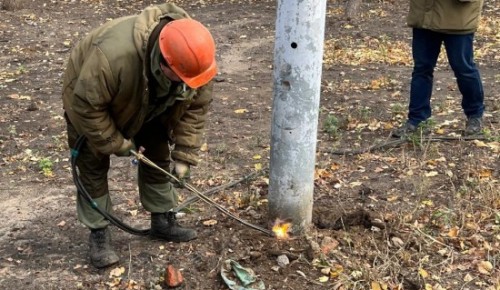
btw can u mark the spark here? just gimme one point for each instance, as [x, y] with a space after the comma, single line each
[281, 229]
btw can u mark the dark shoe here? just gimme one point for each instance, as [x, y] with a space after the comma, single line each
[165, 227]
[405, 130]
[101, 254]
[473, 126]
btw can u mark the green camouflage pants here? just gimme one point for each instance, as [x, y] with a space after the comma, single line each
[156, 192]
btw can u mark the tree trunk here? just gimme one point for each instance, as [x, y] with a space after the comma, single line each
[351, 8]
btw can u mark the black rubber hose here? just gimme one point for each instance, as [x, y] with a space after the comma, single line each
[80, 142]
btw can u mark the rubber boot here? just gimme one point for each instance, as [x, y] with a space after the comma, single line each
[164, 226]
[101, 253]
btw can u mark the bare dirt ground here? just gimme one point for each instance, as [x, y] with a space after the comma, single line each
[420, 215]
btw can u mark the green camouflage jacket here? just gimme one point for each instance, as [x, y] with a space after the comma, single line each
[106, 94]
[447, 16]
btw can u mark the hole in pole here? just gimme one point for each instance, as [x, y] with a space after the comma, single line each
[285, 85]
[294, 45]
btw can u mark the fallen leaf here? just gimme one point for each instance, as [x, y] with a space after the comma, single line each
[392, 198]
[431, 173]
[210, 223]
[356, 274]
[113, 284]
[453, 233]
[117, 272]
[397, 242]
[479, 143]
[241, 111]
[355, 183]
[375, 286]
[375, 84]
[322, 173]
[334, 166]
[336, 271]
[423, 273]
[484, 267]
[495, 146]
[485, 173]
[374, 125]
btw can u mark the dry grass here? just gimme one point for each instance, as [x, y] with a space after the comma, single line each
[441, 232]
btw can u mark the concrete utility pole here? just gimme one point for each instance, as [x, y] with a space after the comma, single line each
[298, 57]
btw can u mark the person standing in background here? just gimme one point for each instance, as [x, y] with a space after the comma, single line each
[452, 23]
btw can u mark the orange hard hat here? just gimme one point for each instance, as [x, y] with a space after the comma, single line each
[189, 49]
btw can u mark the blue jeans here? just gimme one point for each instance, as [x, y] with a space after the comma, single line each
[426, 46]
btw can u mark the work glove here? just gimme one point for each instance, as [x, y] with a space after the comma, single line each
[181, 170]
[124, 150]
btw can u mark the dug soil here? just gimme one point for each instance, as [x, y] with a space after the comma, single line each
[418, 214]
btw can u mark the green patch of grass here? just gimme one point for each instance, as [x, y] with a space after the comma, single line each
[21, 70]
[398, 108]
[444, 217]
[365, 114]
[191, 209]
[428, 124]
[423, 128]
[439, 107]
[331, 126]
[46, 167]
[488, 135]
[12, 130]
